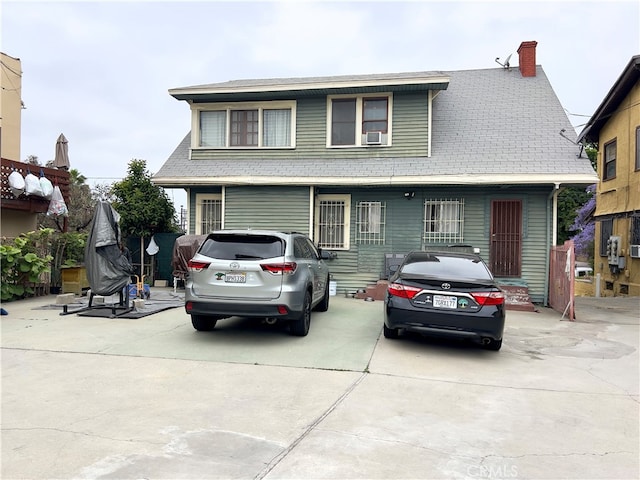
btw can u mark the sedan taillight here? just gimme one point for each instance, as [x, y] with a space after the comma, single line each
[286, 268]
[197, 266]
[488, 298]
[403, 291]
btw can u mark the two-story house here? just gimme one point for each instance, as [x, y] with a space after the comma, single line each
[374, 166]
[615, 130]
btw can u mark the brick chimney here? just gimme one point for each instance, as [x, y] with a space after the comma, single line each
[527, 52]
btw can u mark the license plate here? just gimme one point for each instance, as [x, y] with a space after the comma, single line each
[235, 278]
[443, 301]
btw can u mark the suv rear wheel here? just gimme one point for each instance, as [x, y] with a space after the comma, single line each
[300, 326]
[202, 323]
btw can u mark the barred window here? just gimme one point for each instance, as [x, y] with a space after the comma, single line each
[208, 213]
[606, 230]
[635, 230]
[370, 223]
[332, 221]
[443, 220]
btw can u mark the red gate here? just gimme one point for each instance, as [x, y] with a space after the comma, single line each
[561, 286]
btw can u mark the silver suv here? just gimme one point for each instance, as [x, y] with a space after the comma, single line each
[256, 273]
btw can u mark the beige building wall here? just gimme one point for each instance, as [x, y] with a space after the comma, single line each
[16, 222]
[10, 107]
[620, 195]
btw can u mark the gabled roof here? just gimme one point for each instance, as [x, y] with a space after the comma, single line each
[609, 105]
[490, 127]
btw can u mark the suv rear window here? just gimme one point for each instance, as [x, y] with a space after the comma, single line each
[234, 247]
[445, 265]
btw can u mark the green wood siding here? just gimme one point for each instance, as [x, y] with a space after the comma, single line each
[271, 208]
[410, 133]
[288, 208]
[364, 264]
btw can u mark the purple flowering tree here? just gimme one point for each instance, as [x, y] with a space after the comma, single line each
[585, 227]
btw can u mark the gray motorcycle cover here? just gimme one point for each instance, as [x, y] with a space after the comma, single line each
[108, 270]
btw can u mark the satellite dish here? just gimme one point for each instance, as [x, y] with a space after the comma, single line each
[504, 65]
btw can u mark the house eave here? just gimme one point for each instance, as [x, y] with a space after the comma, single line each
[305, 88]
[467, 180]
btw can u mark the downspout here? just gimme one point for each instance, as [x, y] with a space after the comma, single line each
[552, 202]
[312, 193]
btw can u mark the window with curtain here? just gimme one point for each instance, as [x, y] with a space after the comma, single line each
[370, 223]
[247, 125]
[213, 128]
[443, 220]
[276, 128]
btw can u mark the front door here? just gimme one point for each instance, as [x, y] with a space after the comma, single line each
[505, 257]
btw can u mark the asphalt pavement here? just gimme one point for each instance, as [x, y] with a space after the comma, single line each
[151, 398]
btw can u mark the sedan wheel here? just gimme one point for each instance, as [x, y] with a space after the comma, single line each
[300, 326]
[390, 332]
[203, 323]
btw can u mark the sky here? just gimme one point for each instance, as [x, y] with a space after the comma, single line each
[99, 72]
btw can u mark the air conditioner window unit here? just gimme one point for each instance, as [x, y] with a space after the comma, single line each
[634, 251]
[374, 138]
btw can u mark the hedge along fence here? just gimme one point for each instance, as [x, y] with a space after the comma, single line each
[25, 265]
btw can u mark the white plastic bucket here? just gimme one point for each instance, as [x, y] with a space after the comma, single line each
[333, 288]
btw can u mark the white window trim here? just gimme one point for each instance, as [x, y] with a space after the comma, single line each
[228, 107]
[347, 218]
[359, 99]
[206, 196]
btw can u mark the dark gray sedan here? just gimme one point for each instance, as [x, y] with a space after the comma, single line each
[445, 294]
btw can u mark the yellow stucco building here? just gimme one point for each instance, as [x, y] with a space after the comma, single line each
[615, 130]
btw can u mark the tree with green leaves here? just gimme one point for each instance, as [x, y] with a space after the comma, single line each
[145, 208]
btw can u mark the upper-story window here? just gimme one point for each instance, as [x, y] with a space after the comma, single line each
[359, 120]
[245, 125]
[637, 148]
[609, 159]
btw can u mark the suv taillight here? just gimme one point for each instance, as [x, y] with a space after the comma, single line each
[280, 268]
[403, 291]
[488, 298]
[197, 266]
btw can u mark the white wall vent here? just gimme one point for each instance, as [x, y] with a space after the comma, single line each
[634, 251]
[373, 138]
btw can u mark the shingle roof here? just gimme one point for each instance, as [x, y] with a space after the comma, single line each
[490, 126]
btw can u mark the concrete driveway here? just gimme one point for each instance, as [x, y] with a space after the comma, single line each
[151, 398]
